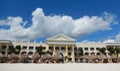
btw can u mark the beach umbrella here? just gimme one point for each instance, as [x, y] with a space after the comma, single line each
[101, 57]
[45, 57]
[35, 57]
[93, 57]
[12, 58]
[114, 56]
[57, 56]
[1, 58]
[24, 58]
[86, 57]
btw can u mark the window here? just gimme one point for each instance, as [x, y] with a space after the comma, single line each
[76, 59]
[57, 48]
[31, 48]
[3, 47]
[63, 48]
[24, 47]
[69, 53]
[86, 53]
[92, 49]
[30, 53]
[51, 48]
[24, 52]
[97, 48]
[75, 48]
[44, 47]
[69, 48]
[98, 53]
[86, 48]
[75, 54]
[92, 53]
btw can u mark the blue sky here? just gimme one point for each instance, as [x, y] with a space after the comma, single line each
[75, 9]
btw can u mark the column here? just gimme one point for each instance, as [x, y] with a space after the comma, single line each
[6, 50]
[47, 47]
[54, 49]
[21, 50]
[107, 55]
[67, 52]
[73, 55]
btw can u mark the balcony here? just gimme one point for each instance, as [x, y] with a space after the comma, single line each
[31, 48]
[24, 48]
[92, 49]
[97, 49]
[86, 49]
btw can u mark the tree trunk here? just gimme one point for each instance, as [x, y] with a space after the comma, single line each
[117, 57]
[6, 51]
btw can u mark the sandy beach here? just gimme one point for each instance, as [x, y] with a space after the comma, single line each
[60, 67]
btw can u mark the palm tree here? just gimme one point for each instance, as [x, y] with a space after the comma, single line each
[66, 58]
[24, 58]
[111, 51]
[103, 51]
[12, 58]
[40, 50]
[117, 51]
[17, 49]
[11, 49]
[81, 52]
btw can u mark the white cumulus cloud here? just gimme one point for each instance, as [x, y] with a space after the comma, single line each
[117, 39]
[44, 26]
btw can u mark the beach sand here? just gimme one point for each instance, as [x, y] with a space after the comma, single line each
[60, 67]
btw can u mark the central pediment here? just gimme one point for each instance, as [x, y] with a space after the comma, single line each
[60, 37]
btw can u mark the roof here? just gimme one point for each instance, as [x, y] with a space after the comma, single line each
[5, 41]
[111, 44]
[60, 37]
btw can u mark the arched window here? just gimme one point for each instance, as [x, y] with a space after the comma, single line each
[98, 53]
[92, 53]
[24, 52]
[30, 53]
[86, 53]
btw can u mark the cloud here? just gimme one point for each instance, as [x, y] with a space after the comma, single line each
[45, 26]
[117, 39]
[109, 41]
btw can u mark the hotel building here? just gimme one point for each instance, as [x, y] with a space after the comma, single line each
[57, 44]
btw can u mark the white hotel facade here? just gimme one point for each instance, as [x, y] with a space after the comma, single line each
[58, 44]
